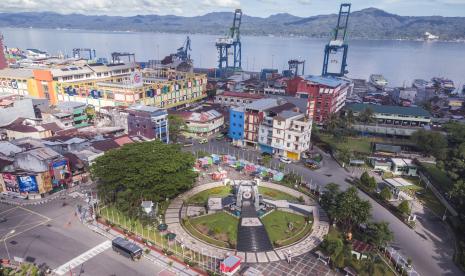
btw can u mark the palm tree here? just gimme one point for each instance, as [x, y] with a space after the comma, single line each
[349, 118]
[367, 116]
[332, 123]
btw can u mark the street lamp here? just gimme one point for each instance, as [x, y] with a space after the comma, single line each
[4, 241]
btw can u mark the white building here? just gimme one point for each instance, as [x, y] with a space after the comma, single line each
[203, 123]
[287, 134]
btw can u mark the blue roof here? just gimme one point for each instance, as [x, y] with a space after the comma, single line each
[328, 81]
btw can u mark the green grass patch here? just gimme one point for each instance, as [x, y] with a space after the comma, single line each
[428, 199]
[219, 226]
[437, 176]
[277, 226]
[362, 144]
[276, 195]
[202, 197]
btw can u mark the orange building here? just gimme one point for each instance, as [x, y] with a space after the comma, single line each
[45, 85]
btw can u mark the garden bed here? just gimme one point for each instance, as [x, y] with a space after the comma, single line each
[277, 225]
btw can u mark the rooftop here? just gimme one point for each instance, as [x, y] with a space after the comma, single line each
[70, 105]
[241, 95]
[43, 153]
[328, 81]
[145, 108]
[390, 109]
[20, 73]
[387, 148]
[7, 148]
[398, 182]
[287, 114]
[262, 104]
[201, 116]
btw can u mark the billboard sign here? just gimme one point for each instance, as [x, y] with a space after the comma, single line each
[28, 183]
[59, 171]
[11, 184]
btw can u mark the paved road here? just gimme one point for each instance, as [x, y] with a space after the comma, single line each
[50, 234]
[430, 245]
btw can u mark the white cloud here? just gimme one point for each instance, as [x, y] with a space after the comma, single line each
[109, 7]
[222, 3]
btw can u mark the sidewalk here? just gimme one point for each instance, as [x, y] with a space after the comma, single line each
[154, 256]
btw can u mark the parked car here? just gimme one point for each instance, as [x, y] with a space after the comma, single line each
[203, 141]
[219, 137]
[188, 144]
[285, 160]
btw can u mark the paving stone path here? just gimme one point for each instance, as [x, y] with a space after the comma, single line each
[176, 211]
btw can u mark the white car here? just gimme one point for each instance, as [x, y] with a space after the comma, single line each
[285, 160]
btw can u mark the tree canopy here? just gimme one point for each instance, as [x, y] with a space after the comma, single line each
[345, 208]
[142, 171]
[430, 142]
[176, 125]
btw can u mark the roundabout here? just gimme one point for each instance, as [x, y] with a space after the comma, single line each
[258, 221]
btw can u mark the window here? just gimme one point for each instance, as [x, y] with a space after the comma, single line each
[288, 144]
[278, 131]
[234, 124]
[234, 115]
[297, 138]
[288, 136]
[234, 133]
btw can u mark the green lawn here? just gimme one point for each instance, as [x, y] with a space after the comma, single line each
[276, 195]
[362, 145]
[428, 199]
[439, 177]
[277, 227]
[219, 226]
[202, 197]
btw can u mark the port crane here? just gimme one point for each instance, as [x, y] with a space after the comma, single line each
[336, 50]
[183, 52]
[233, 40]
[116, 57]
[77, 53]
[295, 65]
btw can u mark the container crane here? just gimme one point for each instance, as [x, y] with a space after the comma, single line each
[91, 53]
[336, 50]
[183, 52]
[224, 45]
[294, 65]
[116, 57]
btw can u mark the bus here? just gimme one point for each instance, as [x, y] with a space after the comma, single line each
[126, 248]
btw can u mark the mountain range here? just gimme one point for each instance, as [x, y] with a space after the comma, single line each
[368, 23]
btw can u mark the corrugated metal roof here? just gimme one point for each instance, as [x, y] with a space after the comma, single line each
[390, 109]
[262, 104]
[7, 148]
[328, 81]
[21, 73]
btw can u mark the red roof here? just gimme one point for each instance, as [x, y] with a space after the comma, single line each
[242, 95]
[361, 247]
[18, 126]
[123, 140]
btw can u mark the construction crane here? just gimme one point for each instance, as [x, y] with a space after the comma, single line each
[336, 50]
[233, 40]
[116, 57]
[294, 65]
[183, 52]
[77, 53]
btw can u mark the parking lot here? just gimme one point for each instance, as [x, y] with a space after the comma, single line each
[51, 235]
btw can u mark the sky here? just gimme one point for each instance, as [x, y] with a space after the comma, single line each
[261, 8]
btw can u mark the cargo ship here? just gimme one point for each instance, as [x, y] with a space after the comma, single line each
[443, 85]
[378, 81]
[422, 84]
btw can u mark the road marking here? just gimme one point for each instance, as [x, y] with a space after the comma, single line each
[35, 213]
[89, 254]
[13, 208]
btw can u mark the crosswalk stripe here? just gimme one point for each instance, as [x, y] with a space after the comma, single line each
[82, 258]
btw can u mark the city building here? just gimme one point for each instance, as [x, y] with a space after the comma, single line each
[149, 122]
[77, 110]
[391, 120]
[204, 122]
[13, 107]
[405, 96]
[253, 117]
[286, 133]
[112, 116]
[326, 95]
[229, 98]
[27, 128]
[236, 125]
[18, 81]
[161, 88]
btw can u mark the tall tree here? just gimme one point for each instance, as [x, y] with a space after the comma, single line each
[386, 193]
[367, 116]
[176, 126]
[379, 234]
[404, 207]
[142, 171]
[430, 142]
[350, 210]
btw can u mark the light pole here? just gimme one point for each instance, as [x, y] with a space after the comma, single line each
[4, 241]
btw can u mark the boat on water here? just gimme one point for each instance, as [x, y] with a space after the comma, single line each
[443, 85]
[378, 81]
[422, 84]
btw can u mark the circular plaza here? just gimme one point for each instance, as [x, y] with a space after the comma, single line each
[256, 220]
